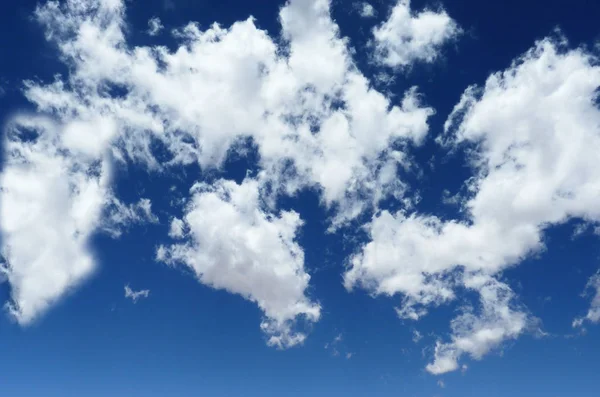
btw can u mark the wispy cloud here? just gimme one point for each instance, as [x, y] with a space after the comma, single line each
[136, 295]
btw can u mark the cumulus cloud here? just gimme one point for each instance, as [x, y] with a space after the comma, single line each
[177, 228]
[136, 295]
[52, 192]
[366, 10]
[533, 135]
[593, 314]
[155, 26]
[313, 116]
[406, 36]
[477, 334]
[316, 122]
[237, 246]
[308, 109]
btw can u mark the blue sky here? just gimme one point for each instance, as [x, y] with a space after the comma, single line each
[329, 198]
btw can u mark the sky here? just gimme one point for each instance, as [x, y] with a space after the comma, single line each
[311, 197]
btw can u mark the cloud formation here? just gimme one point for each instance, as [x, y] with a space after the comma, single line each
[155, 26]
[366, 10]
[52, 192]
[316, 122]
[533, 134]
[136, 295]
[236, 246]
[306, 107]
[593, 314]
[406, 37]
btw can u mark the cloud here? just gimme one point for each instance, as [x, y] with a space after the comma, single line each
[52, 193]
[533, 136]
[136, 295]
[236, 246]
[316, 122]
[366, 10]
[339, 348]
[305, 105]
[417, 336]
[593, 314]
[299, 98]
[120, 216]
[154, 26]
[177, 228]
[476, 335]
[407, 37]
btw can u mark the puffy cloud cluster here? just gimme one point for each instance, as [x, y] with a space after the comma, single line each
[533, 134]
[366, 10]
[52, 194]
[312, 115]
[477, 334]
[236, 246]
[316, 122]
[406, 36]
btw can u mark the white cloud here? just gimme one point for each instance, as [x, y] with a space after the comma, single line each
[367, 10]
[236, 246]
[154, 26]
[311, 112]
[338, 347]
[177, 228]
[406, 37]
[54, 194]
[120, 216]
[593, 314]
[476, 334]
[534, 129]
[417, 336]
[136, 295]
[51, 200]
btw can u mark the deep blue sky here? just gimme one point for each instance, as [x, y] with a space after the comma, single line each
[186, 339]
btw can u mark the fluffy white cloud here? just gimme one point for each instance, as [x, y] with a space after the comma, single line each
[51, 199]
[236, 246]
[475, 334]
[314, 118]
[534, 135]
[366, 10]
[155, 26]
[177, 228]
[136, 295]
[406, 37]
[593, 314]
